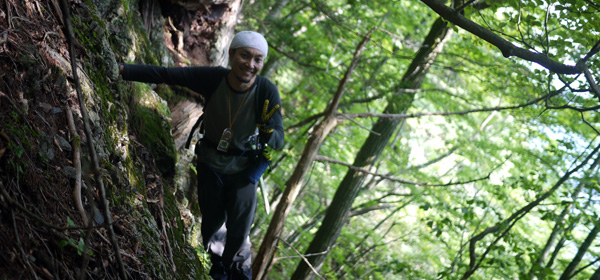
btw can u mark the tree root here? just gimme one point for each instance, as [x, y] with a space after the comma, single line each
[77, 164]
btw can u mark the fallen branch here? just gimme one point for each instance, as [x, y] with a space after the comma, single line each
[88, 133]
[77, 190]
[43, 221]
[23, 255]
[77, 164]
[161, 207]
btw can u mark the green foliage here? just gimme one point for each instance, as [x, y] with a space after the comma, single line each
[486, 165]
[79, 245]
[19, 138]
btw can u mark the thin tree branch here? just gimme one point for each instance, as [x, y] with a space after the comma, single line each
[476, 261]
[294, 59]
[586, 266]
[305, 259]
[433, 161]
[594, 50]
[592, 4]
[417, 115]
[463, 6]
[43, 221]
[365, 210]
[304, 122]
[589, 124]
[390, 178]
[582, 250]
[590, 79]
[362, 126]
[23, 255]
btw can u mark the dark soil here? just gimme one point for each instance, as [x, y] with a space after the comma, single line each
[41, 232]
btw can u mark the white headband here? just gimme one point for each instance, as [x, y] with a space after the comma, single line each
[250, 39]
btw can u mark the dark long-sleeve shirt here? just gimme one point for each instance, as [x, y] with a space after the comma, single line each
[221, 107]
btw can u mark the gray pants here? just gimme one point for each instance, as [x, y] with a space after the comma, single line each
[228, 204]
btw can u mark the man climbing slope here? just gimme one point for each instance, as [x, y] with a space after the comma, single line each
[241, 118]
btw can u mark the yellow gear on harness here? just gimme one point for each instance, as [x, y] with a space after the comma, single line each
[265, 116]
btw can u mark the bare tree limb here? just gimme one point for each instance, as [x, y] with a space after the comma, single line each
[365, 210]
[390, 178]
[23, 255]
[293, 184]
[362, 126]
[506, 225]
[305, 259]
[507, 48]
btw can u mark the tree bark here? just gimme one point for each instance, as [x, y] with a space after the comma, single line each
[569, 271]
[505, 226]
[559, 225]
[262, 263]
[225, 33]
[275, 59]
[371, 150]
[507, 48]
[596, 275]
[556, 232]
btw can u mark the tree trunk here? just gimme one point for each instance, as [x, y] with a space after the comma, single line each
[371, 150]
[275, 59]
[224, 34]
[556, 232]
[558, 226]
[361, 249]
[596, 275]
[568, 273]
[261, 265]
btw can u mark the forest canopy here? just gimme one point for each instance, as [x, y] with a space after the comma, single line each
[464, 144]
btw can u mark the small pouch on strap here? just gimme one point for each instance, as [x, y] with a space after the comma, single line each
[258, 167]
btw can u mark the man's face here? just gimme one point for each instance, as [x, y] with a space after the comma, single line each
[246, 63]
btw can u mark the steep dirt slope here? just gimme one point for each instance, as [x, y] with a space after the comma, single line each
[43, 234]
